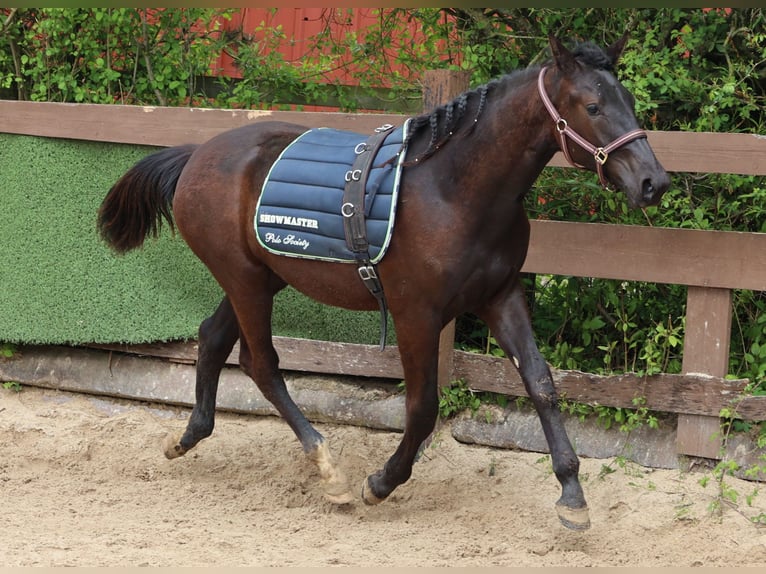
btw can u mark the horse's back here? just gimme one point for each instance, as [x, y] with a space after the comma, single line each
[220, 164]
[260, 142]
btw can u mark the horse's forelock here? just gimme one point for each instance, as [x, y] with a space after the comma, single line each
[593, 56]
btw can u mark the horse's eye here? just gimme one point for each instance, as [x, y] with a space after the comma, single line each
[592, 109]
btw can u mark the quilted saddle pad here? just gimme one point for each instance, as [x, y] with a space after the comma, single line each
[299, 210]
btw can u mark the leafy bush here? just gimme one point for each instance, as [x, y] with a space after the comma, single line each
[698, 69]
[108, 55]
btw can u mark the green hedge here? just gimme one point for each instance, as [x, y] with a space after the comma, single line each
[62, 285]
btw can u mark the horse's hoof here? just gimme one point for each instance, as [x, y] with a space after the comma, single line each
[369, 498]
[336, 488]
[172, 448]
[334, 483]
[339, 499]
[574, 518]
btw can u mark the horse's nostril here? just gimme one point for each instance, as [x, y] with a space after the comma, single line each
[648, 189]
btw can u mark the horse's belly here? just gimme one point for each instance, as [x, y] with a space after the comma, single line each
[335, 284]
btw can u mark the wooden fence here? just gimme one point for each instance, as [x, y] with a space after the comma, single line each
[710, 263]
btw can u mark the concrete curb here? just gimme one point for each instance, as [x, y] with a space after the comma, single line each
[344, 400]
[126, 376]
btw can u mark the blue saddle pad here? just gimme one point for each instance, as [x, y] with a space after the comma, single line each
[299, 210]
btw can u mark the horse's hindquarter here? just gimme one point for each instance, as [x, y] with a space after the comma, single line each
[215, 205]
[218, 190]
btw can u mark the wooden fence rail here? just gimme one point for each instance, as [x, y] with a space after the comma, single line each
[710, 263]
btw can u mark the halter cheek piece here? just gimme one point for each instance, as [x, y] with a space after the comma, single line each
[600, 154]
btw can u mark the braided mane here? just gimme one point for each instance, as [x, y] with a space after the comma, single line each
[445, 120]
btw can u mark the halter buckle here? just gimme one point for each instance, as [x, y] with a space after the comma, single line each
[600, 156]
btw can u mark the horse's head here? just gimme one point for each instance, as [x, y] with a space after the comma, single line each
[595, 122]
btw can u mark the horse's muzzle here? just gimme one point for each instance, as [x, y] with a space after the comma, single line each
[652, 189]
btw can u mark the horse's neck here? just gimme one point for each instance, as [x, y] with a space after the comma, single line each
[511, 143]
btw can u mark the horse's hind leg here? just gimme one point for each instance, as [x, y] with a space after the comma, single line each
[260, 361]
[419, 348]
[508, 319]
[217, 335]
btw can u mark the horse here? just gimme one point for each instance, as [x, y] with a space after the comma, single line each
[458, 245]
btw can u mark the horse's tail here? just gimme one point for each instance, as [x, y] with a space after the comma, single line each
[136, 205]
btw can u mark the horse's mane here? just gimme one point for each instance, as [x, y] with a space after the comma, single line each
[445, 120]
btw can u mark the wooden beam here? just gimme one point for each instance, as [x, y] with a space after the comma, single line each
[698, 152]
[295, 354]
[159, 126]
[439, 88]
[660, 255]
[709, 152]
[685, 394]
[706, 351]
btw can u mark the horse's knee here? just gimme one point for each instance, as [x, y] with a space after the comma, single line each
[538, 381]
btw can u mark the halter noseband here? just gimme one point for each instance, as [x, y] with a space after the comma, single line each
[600, 154]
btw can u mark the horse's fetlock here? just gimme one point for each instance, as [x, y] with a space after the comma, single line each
[565, 468]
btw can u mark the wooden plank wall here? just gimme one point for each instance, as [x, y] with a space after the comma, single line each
[711, 263]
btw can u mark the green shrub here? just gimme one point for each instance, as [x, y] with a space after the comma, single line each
[695, 69]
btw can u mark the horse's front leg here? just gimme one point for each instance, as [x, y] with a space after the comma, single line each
[418, 343]
[217, 335]
[508, 319]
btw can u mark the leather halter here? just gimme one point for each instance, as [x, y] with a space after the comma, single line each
[600, 154]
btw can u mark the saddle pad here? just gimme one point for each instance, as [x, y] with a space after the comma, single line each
[299, 210]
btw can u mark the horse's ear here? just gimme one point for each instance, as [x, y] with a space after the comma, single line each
[562, 57]
[615, 50]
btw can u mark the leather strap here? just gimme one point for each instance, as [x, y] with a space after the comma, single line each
[353, 193]
[354, 225]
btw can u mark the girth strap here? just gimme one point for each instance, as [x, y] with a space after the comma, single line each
[354, 225]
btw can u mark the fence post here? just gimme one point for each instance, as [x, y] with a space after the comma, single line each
[441, 87]
[706, 351]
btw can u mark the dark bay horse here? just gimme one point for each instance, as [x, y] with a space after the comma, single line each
[460, 240]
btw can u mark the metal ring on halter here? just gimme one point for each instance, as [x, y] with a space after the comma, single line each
[344, 209]
[360, 148]
[561, 125]
[600, 156]
[354, 175]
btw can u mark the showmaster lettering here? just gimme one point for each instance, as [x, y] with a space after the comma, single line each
[289, 220]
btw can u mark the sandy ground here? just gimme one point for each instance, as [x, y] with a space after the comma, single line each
[83, 482]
